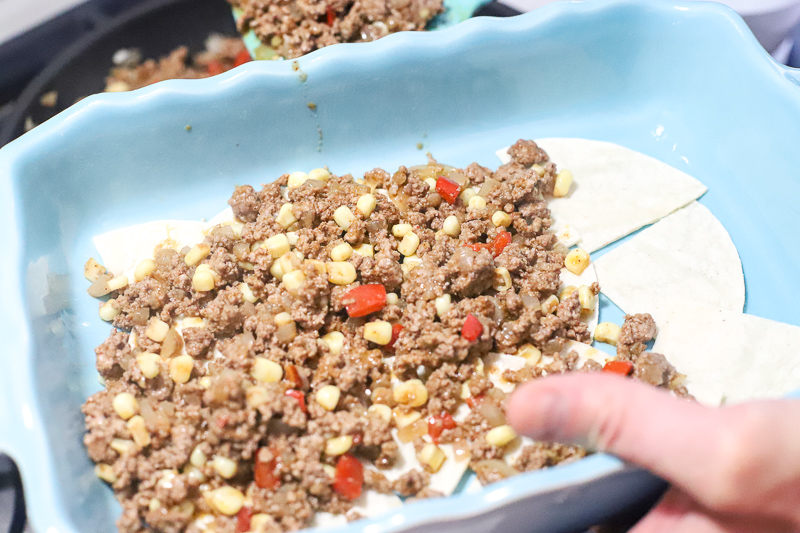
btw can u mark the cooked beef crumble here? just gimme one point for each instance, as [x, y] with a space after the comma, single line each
[251, 376]
[292, 28]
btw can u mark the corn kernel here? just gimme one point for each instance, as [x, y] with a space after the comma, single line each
[400, 230]
[412, 393]
[403, 417]
[567, 291]
[224, 466]
[392, 298]
[122, 446]
[465, 392]
[193, 322]
[576, 261]
[293, 237]
[125, 405]
[432, 456]
[318, 265]
[364, 249]
[108, 312]
[379, 332]
[204, 382]
[563, 183]
[477, 203]
[286, 216]
[384, 411]
[442, 304]
[284, 318]
[466, 195]
[341, 252]
[277, 245]
[156, 330]
[335, 341]
[296, 179]
[408, 246]
[138, 430]
[366, 204]
[530, 353]
[539, 169]
[319, 174]
[341, 272]
[144, 269]
[328, 397]
[501, 218]
[330, 470]
[154, 504]
[180, 368]
[501, 435]
[197, 254]
[587, 298]
[294, 281]
[339, 445]
[343, 217]
[480, 367]
[203, 279]
[550, 305]
[411, 262]
[260, 521]
[93, 270]
[284, 265]
[607, 332]
[431, 183]
[247, 293]
[105, 472]
[266, 371]
[198, 457]
[115, 284]
[148, 364]
[256, 396]
[502, 279]
[226, 500]
[452, 226]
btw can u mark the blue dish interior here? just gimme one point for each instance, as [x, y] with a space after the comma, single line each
[685, 83]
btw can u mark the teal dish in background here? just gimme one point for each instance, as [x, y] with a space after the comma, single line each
[683, 82]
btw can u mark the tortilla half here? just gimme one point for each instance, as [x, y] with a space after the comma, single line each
[615, 190]
[730, 357]
[685, 257]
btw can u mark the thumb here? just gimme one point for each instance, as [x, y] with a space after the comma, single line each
[672, 438]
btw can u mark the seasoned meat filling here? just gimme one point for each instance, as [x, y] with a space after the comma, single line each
[275, 370]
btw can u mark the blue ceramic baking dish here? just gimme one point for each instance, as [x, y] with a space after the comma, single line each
[684, 82]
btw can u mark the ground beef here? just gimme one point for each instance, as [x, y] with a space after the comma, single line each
[266, 344]
[291, 28]
[221, 54]
[635, 332]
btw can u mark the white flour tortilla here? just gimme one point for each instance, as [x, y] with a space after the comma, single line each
[685, 257]
[616, 190]
[730, 356]
[371, 503]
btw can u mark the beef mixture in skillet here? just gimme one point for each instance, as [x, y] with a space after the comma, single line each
[258, 377]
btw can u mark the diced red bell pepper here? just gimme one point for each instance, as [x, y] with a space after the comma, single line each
[242, 58]
[215, 67]
[365, 299]
[266, 473]
[623, 368]
[472, 328]
[478, 246]
[331, 16]
[396, 329]
[437, 424]
[474, 401]
[243, 519]
[448, 189]
[293, 377]
[349, 477]
[502, 240]
[300, 397]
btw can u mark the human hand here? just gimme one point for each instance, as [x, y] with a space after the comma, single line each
[732, 469]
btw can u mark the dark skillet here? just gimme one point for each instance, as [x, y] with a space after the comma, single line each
[156, 27]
